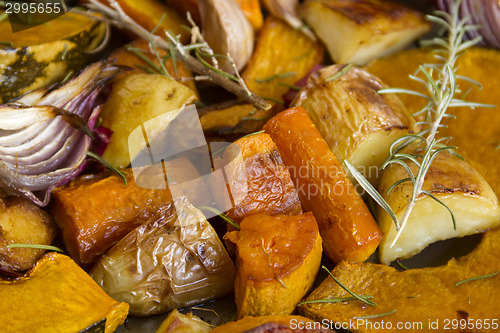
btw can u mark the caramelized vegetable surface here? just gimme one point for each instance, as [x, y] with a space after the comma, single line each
[272, 324]
[417, 295]
[259, 181]
[22, 222]
[277, 260]
[175, 260]
[58, 296]
[348, 229]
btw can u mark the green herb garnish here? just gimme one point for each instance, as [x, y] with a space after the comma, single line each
[221, 215]
[376, 315]
[340, 73]
[109, 166]
[477, 278]
[35, 246]
[274, 77]
[334, 300]
[359, 298]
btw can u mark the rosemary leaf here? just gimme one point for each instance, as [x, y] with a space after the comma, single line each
[109, 166]
[477, 278]
[274, 77]
[222, 215]
[277, 101]
[376, 315]
[6, 43]
[291, 86]
[444, 205]
[340, 73]
[35, 246]
[359, 298]
[334, 300]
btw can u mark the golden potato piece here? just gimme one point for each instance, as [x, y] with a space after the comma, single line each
[362, 30]
[22, 222]
[277, 259]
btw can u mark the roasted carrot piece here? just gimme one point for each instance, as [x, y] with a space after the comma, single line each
[278, 258]
[348, 229]
[269, 188]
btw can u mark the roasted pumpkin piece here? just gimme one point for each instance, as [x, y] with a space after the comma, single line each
[435, 295]
[175, 260]
[252, 11]
[96, 213]
[359, 31]
[177, 322]
[22, 222]
[270, 70]
[185, 6]
[454, 183]
[228, 118]
[475, 132]
[266, 186]
[39, 59]
[150, 13]
[125, 57]
[272, 324]
[277, 260]
[132, 103]
[357, 122]
[348, 229]
[58, 296]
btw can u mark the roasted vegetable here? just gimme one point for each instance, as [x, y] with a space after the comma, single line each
[58, 296]
[348, 230]
[177, 322]
[270, 70]
[128, 56]
[474, 132]
[132, 103]
[259, 180]
[272, 324]
[436, 295]
[359, 31]
[357, 122]
[252, 11]
[228, 32]
[287, 11]
[36, 60]
[45, 134]
[277, 260]
[96, 213]
[22, 222]
[455, 184]
[173, 261]
[232, 119]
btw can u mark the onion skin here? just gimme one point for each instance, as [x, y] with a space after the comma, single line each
[45, 135]
[485, 13]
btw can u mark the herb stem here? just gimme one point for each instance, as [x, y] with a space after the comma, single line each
[109, 166]
[477, 278]
[35, 246]
[376, 315]
[221, 215]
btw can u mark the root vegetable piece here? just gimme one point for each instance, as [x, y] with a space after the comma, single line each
[362, 30]
[266, 187]
[277, 260]
[418, 295]
[357, 122]
[22, 222]
[452, 181]
[272, 324]
[253, 12]
[175, 260]
[348, 230]
[94, 214]
[177, 322]
[58, 296]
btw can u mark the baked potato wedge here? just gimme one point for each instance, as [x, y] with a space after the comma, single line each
[357, 122]
[453, 182]
[347, 227]
[174, 260]
[23, 222]
[177, 322]
[277, 260]
[359, 31]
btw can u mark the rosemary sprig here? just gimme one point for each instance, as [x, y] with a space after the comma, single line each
[477, 278]
[356, 296]
[116, 16]
[221, 215]
[291, 86]
[109, 166]
[35, 246]
[441, 85]
[340, 73]
[275, 76]
[376, 315]
[334, 300]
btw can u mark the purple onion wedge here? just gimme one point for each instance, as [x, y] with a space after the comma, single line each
[45, 134]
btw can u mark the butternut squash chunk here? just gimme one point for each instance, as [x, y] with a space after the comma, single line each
[58, 296]
[418, 295]
[177, 322]
[22, 222]
[96, 213]
[266, 187]
[277, 260]
[272, 324]
[175, 260]
[348, 229]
